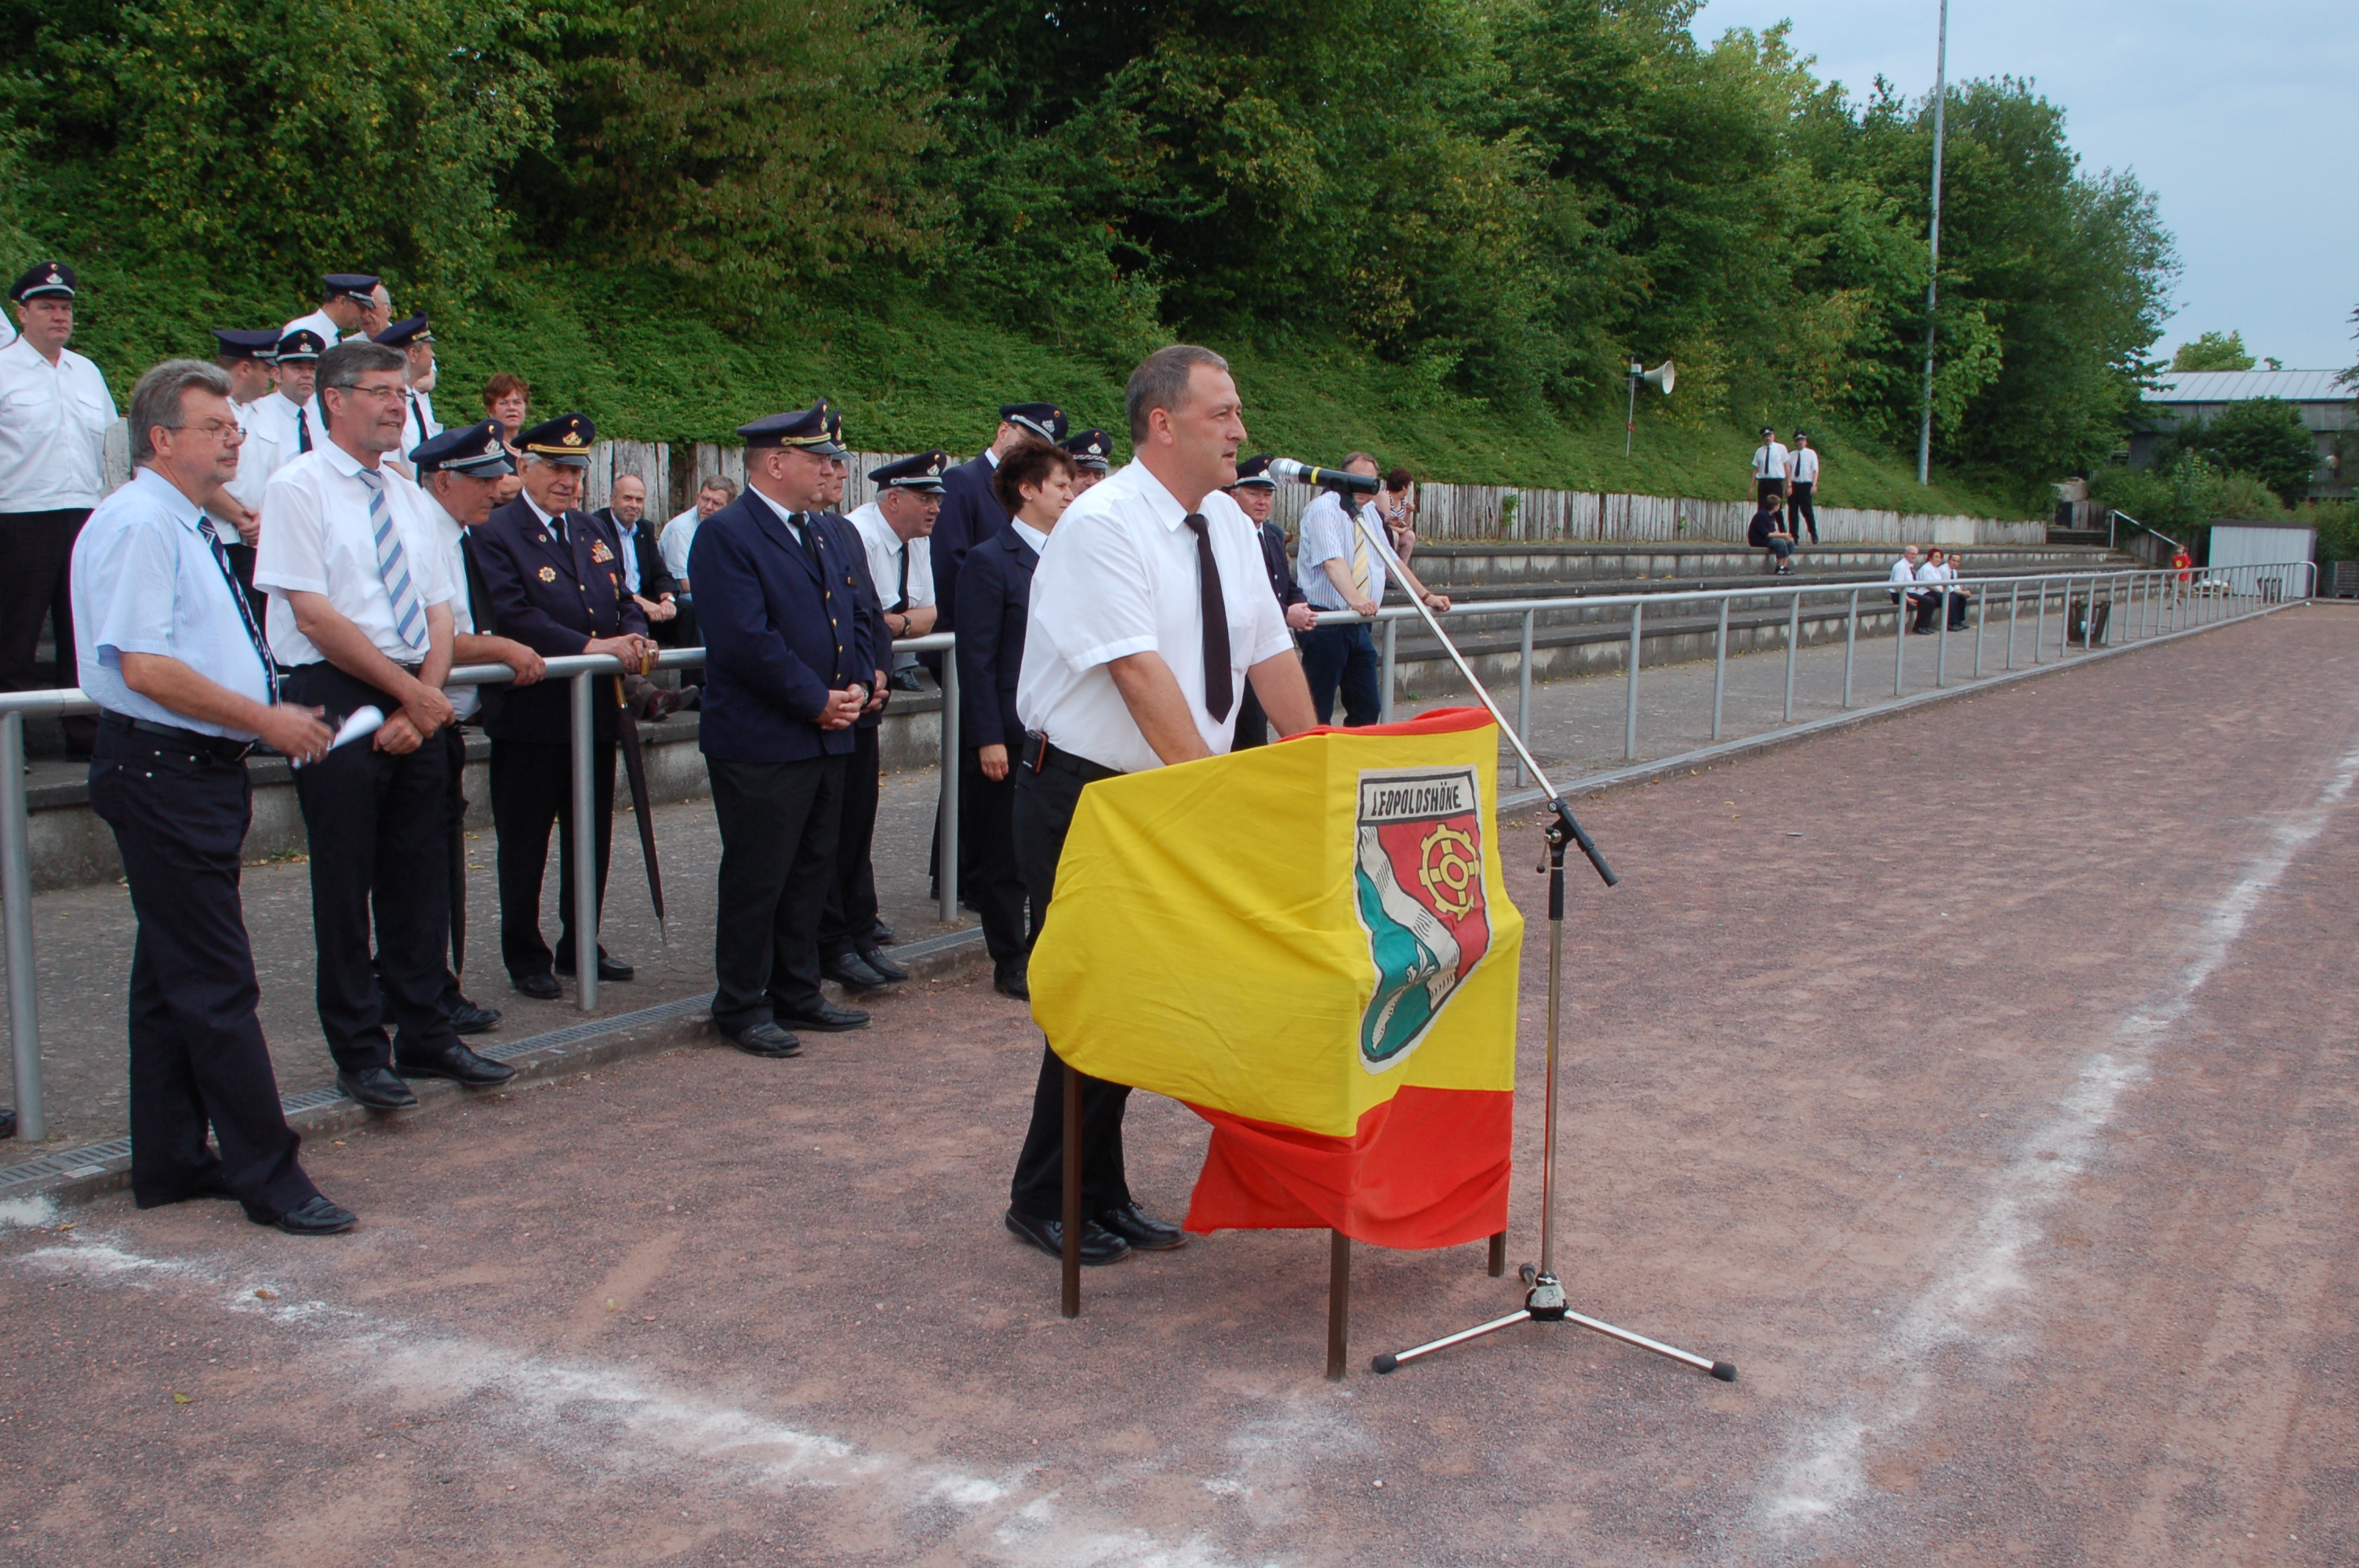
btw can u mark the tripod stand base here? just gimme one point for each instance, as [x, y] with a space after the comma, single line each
[1545, 1305]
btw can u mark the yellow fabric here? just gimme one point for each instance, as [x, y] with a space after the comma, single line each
[1206, 941]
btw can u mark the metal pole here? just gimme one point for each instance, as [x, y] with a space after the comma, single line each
[1630, 703]
[1793, 641]
[946, 857]
[1524, 694]
[1982, 619]
[1901, 644]
[585, 849]
[2014, 598]
[1339, 1304]
[1719, 667]
[2039, 627]
[16, 903]
[1941, 643]
[1392, 668]
[1851, 643]
[1933, 243]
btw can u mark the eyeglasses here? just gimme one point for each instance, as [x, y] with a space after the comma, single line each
[386, 391]
[217, 429]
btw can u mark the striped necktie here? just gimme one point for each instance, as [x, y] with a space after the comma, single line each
[245, 606]
[393, 565]
[1359, 552]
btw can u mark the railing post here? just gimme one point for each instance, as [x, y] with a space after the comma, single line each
[2039, 627]
[946, 854]
[1392, 668]
[1793, 641]
[1941, 643]
[1851, 643]
[585, 847]
[2014, 598]
[1630, 704]
[1524, 694]
[1982, 619]
[1900, 644]
[16, 906]
[1719, 667]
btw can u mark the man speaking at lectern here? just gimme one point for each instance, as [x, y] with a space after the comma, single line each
[1147, 619]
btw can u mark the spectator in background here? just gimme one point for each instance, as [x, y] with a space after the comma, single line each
[247, 359]
[2183, 567]
[1035, 483]
[1902, 586]
[508, 399]
[971, 512]
[1256, 494]
[1398, 504]
[896, 529]
[345, 299]
[415, 337]
[290, 416]
[1767, 531]
[54, 414]
[1092, 452]
[378, 314]
[649, 582]
[1340, 571]
[1769, 467]
[1802, 487]
[717, 492]
[1941, 573]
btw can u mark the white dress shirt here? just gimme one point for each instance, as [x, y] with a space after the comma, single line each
[1034, 538]
[1330, 534]
[1119, 576]
[1802, 465]
[273, 416]
[317, 321]
[146, 580]
[53, 422]
[673, 542]
[1769, 461]
[464, 699]
[320, 540]
[418, 424]
[258, 455]
[885, 550]
[1903, 574]
[8, 331]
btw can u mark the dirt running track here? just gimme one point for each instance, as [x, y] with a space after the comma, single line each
[1982, 1083]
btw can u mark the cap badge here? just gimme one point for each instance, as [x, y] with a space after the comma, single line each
[53, 275]
[492, 447]
[572, 438]
[549, 574]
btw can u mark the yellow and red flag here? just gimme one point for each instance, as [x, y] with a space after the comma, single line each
[1311, 945]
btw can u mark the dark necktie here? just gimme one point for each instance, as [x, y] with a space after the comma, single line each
[557, 527]
[802, 521]
[1220, 690]
[417, 414]
[245, 609]
[303, 430]
[902, 607]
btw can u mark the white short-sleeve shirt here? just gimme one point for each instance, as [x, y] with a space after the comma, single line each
[1119, 576]
[53, 424]
[673, 542]
[1802, 465]
[884, 551]
[258, 455]
[464, 699]
[1329, 533]
[1769, 461]
[318, 539]
[317, 321]
[1902, 572]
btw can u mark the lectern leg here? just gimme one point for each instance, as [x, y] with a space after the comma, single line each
[1339, 1304]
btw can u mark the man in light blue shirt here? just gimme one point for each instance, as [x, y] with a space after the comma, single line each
[170, 649]
[1340, 569]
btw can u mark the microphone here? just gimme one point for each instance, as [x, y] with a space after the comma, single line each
[1303, 473]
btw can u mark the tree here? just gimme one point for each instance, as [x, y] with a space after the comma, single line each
[2213, 350]
[2263, 437]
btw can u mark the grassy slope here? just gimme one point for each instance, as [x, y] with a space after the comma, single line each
[622, 348]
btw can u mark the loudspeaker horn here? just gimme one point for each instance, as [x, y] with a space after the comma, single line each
[1662, 375]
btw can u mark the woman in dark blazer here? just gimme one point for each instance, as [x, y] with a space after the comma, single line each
[1035, 483]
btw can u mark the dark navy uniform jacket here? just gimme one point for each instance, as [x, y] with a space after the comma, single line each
[872, 610]
[1281, 572]
[970, 515]
[994, 608]
[553, 596]
[780, 632]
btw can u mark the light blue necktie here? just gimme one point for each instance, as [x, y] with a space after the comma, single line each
[393, 565]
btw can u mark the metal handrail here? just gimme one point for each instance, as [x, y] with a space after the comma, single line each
[2161, 603]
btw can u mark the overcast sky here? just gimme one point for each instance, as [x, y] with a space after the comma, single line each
[2239, 117]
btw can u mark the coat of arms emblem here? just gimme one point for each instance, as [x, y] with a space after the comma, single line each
[1417, 889]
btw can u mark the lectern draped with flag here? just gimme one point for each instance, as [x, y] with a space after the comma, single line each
[1311, 946]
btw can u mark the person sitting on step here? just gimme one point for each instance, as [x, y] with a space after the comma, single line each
[1767, 531]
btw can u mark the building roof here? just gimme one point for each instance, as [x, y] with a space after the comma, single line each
[2236, 385]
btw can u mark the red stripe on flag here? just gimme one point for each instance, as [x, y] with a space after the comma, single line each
[1427, 1168]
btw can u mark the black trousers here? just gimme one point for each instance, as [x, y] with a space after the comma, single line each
[1763, 489]
[778, 826]
[1253, 724]
[1044, 811]
[532, 792]
[454, 746]
[848, 922]
[197, 1058]
[380, 830]
[1343, 658]
[38, 549]
[999, 889]
[1800, 510]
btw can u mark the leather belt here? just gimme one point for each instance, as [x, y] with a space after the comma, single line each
[219, 747]
[1041, 757]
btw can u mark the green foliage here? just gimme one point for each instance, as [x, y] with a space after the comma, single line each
[2190, 490]
[2262, 438]
[2214, 351]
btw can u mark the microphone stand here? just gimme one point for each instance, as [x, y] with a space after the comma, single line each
[1545, 1301]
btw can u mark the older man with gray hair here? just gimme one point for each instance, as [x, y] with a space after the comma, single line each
[170, 651]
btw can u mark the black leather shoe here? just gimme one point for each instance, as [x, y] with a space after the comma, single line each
[875, 959]
[847, 971]
[468, 1019]
[906, 680]
[828, 1019]
[1098, 1245]
[459, 1065]
[1015, 979]
[542, 986]
[376, 1088]
[763, 1040]
[608, 969]
[882, 935]
[314, 1217]
[1142, 1230]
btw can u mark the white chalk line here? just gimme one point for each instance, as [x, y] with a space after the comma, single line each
[1821, 1475]
[598, 1416]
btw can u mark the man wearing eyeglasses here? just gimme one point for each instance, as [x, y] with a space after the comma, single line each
[360, 616]
[54, 413]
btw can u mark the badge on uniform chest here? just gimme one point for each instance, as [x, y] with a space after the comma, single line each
[549, 574]
[600, 553]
